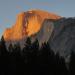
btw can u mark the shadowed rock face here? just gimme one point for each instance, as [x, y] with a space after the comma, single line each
[62, 39]
[27, 24]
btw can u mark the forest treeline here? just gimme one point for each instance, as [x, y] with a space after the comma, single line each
[33, 60]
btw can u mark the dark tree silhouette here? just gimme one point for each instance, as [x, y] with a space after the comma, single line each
[43, 59]
[3, 46]
[35, 50]
[10, 48]
[4, 56]
[32, 59]
[61, 68]
[27, 50]
[72, 63]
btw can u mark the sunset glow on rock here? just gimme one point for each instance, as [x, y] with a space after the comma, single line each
[27, 24]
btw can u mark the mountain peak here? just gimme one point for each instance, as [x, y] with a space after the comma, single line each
[27, 24]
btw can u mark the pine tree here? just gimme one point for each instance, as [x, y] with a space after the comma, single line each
[35, 50]
[10, 48]
[3, 47]
[72, 63]
[27, 50]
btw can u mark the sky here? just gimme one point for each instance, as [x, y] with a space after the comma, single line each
[10, 8]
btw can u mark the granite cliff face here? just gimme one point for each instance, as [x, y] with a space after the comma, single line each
[27, 24]
[58, 31]
[62, 39]
[45, 32]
